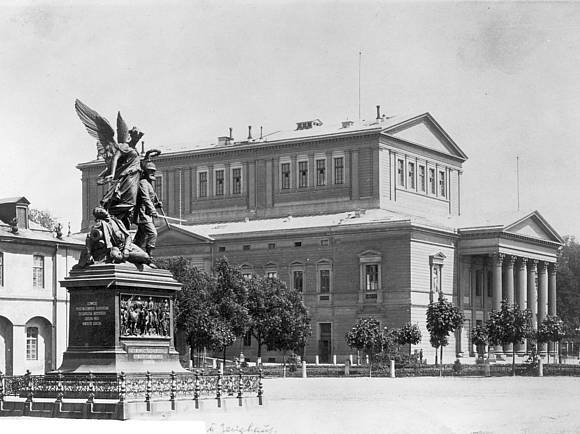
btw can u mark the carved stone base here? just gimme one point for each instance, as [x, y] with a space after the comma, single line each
[120, 319]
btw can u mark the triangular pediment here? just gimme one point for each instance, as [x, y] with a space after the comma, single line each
[534, 226]
[177, 236]
[425, 132]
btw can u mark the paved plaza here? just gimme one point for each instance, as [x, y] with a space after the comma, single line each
[378, 405]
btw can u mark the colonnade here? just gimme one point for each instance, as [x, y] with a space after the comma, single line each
[540, 299]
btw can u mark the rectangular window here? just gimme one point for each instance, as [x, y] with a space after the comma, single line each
[478, 282]
[1, 269]
[247, 276]
[339, 170]
[22, 217]
[246, 247]
[298, 280]
[236, 180]
[324, 281]
[31, 343]
[422, 178]
[297, 243]
[285, 174]
[219, 182]
[400, 172]
[489, 284]
[442, 184]
[324, 242]
[272, 274]
[221, 249]
[202, 184]
[320, 172]
[303, 174]
[432, 181]
[372, 277]
[158, 187]
[411, 175]
[38, 271]
[271, 245]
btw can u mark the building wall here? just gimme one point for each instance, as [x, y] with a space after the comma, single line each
[22, 306]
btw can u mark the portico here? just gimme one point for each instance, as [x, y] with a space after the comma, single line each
[515, 262]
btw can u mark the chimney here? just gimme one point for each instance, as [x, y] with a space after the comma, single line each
[223, 141]
[231, 137]
[261, 132]
[249, 132]
[346, 124]
[378, 113]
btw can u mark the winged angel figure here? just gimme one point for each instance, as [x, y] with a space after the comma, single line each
[109, 239]
[122, 169]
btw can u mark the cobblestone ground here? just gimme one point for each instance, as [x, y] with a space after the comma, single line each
[363, 405]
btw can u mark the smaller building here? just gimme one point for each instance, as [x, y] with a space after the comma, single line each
[33, 306]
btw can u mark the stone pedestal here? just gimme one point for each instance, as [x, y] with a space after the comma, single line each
[120, 320]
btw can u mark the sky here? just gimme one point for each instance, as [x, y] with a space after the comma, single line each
[503, 79]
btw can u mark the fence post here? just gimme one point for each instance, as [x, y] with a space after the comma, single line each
[392, 371]
[347, 368]
[29, 394]
[173, 389]
[196, 390]
[57, 405]
[260, 387]
[122, 392]
[1, 391]
[303, 368]
[316, 360]
[219, 389]
[540, 367]
[240, 387]
[88, 407]
[148, 391]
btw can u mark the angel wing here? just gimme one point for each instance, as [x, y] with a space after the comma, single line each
[122, 129]
[98, 127]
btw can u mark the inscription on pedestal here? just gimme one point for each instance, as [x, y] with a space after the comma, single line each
[92, 320]
[147, 353]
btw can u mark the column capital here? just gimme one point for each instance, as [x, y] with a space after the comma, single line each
[497, 259]
[509, 260]
[522, 263]
[552, 267]
[542, 266]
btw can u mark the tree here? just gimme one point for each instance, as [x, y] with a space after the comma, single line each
[442, 319]
[409, 334]
[551, 329]
[509, 325]
[230, 296]
[42, 217]
[366, 336]
[480, 338]
[568, 294]
[278, 316]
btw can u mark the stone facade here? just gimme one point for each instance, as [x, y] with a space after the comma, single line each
[33, 306]
[369, 213]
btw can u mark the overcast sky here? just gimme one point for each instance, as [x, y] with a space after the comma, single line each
[502, 79]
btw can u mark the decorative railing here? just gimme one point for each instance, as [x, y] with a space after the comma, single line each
[133, 387]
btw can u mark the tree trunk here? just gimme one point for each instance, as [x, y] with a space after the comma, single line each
[370, 365]
[441, 356]
[559, 352]
[513, 359]
[225, 357]
[436, 353]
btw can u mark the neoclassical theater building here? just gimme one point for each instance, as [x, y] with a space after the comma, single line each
[364, 218]
[33, 306]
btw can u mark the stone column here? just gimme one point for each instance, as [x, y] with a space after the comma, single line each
[533, 291]
[509, 290]
[522, 296]
[552, 298]
[552, 268]
[497, 261]
[542, 295]
[509, 279]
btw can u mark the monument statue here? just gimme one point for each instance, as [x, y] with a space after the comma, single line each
[130, 197]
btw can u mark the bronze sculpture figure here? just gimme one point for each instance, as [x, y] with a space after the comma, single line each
[109, 239]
